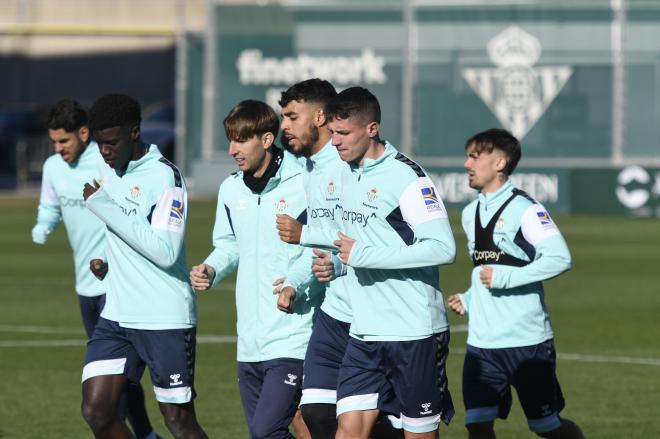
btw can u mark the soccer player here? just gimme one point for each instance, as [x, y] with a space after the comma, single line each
[271, 344]
[396, 234]
[64, 174]
[514, 245]
[306, 135]
[149, 316]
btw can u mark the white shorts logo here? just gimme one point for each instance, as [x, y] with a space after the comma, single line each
[291, 379]
[425, 407]
[175, 379]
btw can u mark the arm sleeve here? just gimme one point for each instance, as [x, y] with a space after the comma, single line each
[160, 238]
[224, 257]
[319, 237]
[423, 215]
[49, 212]
[467, 224]
[466, 297]
[552, 255]
[300, 275]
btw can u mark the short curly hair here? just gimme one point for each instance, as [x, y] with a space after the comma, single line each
[67, 114]
[114, 110]
[312, 90]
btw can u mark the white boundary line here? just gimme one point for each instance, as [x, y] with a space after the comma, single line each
[225, 339]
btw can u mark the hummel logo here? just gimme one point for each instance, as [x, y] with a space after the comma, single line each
[175, 379]
[426, 407]
[291, 380]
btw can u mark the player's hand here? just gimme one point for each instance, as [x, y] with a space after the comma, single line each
[201, 277]
[486, 276]
[99, 268]
[88, 190]
[455, 304]
[345, 245]
[289, 229]
[322, 267]
[285, 300]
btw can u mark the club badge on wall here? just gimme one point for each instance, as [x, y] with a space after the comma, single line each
[517, 92]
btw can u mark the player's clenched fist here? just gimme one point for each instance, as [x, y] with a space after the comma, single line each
[344, 244]
[285, 300]
[88, 189]
[322, 267]
[201, 277]
[289, 229]
[455, 304]
[99, 268]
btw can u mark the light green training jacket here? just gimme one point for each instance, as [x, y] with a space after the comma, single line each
[245, 238]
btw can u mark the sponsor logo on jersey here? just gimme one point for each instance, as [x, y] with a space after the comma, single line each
[544, 218]
[500, 223]
[71, 202]
[126, 211]
[487, 255]
[357, 217]
[430, 199]
[176, 211]
[176, 214]
[322, 212]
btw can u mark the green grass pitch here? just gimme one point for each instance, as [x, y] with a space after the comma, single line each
[605, 313]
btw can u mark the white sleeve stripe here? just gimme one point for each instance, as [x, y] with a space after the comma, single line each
[537, 224]
[420, 202]
[171, 210]
[48, 195]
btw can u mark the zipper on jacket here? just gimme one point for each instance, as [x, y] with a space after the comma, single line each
[259, 200]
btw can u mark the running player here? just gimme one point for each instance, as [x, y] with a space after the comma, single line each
[514, 245]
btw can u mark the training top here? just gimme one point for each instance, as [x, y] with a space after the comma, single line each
[391, 208]
[322, 177]
[524, 247]
[62, 200]
[245, 238]
[145, 211]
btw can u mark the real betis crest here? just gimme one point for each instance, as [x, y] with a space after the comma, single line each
[517, 92]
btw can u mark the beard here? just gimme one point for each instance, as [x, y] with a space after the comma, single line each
[306, 142]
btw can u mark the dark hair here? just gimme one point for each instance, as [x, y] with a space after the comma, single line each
[354, 101]
[249, 118]
[496, 138]
[114, 110]
[311, 90]
[68, 115]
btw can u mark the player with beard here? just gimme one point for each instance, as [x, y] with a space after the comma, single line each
[305, 134]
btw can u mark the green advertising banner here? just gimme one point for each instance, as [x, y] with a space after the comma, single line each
[550, 187]
[631, 190]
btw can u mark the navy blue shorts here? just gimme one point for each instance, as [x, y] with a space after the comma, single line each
[325, 353]
[488, 375]
[270, 393]
[90, 310]
[406, 379]
[169, 354]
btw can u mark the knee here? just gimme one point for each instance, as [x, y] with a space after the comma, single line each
[322, 415]
[481, 430]
[98, 416]
[261, 431]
